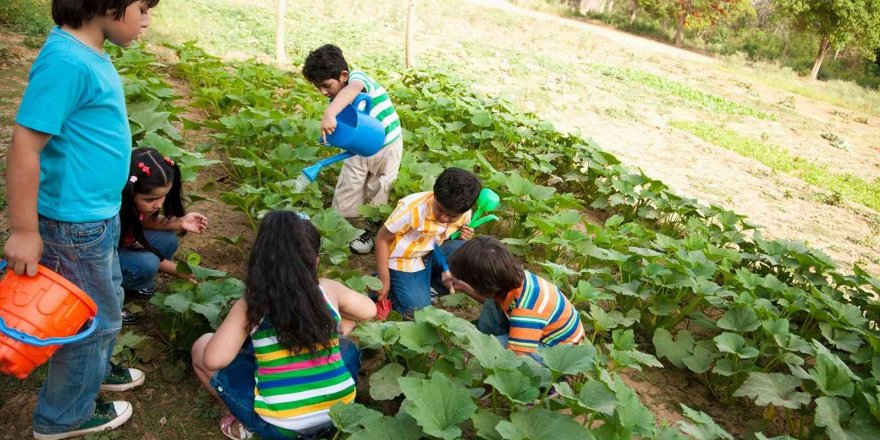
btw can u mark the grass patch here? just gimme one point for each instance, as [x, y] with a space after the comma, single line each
[714, 103]
[843, 185]
[843, 93]
[29, 18]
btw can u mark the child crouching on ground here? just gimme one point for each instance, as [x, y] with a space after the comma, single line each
[523, 310]
[421, 221]
[280, 359]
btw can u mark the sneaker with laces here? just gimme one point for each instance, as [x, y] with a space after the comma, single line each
[107, 416]
[364, 244]
[146, 293]
[435, 296]
[122, 379]
[129, 318]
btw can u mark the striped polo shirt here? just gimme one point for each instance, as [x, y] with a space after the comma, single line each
[295, 389]
[415, 229]
[540, 313]
[383, 109]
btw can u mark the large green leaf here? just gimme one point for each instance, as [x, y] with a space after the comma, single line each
[702, 358]
[832, 376]
[830, 413]
[773, 389]
[351, 417]
[541, 424]
[437, 404]
[569, 359]
[740, 319]
[383, 383]
[596, 395]
[485, 422]
[490, 353]
[675, 350]
[418, 336]
[375, 335]
[735, 344]
[400, 427]
[514, 385]
[701, 426]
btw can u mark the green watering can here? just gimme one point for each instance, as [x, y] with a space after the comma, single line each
[486, 202]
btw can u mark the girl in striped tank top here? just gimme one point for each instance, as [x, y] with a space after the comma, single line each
[280, 359]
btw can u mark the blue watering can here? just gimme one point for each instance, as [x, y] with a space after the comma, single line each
[356, 132]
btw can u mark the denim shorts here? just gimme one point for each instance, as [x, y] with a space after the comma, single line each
[235, 385]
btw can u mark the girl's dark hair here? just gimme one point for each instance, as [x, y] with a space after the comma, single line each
[457, 190]
[74, 12]
[323, 63]
[149, 170]
[487, 265]
[282, 282]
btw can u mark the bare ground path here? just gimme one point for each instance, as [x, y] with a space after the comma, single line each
[635, 127]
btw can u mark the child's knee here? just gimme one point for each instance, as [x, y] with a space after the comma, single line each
[198, 350]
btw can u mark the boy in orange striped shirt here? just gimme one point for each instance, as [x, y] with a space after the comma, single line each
[523, 310]
[406, 241]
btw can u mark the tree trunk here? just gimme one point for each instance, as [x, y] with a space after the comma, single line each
[679, 30]
[820, 57]
[280, 15]
[609, 7]
[410, 32]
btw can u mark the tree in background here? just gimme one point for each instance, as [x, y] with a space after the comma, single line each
[693, 14]
[851, 23]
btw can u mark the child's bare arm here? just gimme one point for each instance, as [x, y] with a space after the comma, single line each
[24, 248]
[352, 305]
[383, 242]
[192, 222]
[228, 339]
[343, 99]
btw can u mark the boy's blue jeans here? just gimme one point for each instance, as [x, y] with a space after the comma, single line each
[85, 254]
[494, 322]
[140, 266]
[411, 291]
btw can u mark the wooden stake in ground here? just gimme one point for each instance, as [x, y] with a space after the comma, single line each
[280, 15]
[410, 31]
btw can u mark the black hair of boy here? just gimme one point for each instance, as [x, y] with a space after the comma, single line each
[75, 12]
[487, 265]
[457, 190]
[323, 63]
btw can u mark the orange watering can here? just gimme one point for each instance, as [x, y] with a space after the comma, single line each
[37, 314]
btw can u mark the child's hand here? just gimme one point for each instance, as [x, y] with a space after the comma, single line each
[194, 222]
[448, 281]
[382, 293]
[328, 126]
[467, 232]
[23, 251]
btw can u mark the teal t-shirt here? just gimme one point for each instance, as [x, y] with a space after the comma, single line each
[75, 94]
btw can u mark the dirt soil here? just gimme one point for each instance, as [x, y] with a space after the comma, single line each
[632, 122]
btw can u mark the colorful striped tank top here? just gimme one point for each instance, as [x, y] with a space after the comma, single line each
[295, 390]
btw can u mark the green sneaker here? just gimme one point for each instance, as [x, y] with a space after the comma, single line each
[108, 416]
[122, 379]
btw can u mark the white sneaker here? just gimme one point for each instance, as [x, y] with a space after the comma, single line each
[435, 296]
[363, 245]
[107, 417]
[122, 379]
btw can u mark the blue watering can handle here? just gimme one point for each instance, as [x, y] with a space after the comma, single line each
[363, 97]
[33, 340]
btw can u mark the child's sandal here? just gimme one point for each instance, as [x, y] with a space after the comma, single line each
[227, 425]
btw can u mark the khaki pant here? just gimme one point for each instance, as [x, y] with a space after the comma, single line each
[367, 180]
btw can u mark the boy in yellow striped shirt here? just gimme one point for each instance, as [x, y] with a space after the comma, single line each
[405, 242]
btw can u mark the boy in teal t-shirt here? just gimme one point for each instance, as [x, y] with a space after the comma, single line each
[66, 167]
[362, 180]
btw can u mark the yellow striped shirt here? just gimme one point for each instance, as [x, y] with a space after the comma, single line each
[415, 229]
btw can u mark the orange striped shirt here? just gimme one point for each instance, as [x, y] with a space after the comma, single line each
[415, 229]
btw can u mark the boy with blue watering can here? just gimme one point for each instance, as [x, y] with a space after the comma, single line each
[66, 167]
[362, 180]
